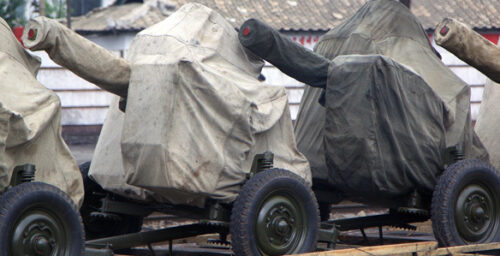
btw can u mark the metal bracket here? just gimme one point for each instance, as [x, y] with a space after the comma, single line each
[261, 162]
[112, 206]
[454, 154]
[23, 173]
[98, 252]
[328, 234]
[218, 212]
[149, 237]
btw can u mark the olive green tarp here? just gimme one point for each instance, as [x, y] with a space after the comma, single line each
[30, 122]
[384, 131]
[196, 115]
[387, 28]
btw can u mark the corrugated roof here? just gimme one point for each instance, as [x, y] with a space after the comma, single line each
[127, 17]
[290, 15]
[479, 14]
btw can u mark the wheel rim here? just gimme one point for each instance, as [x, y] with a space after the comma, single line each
[281, 225]
[39, 232]
[476, 215]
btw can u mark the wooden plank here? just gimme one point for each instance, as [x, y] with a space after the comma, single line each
[393, 249]
[429, 248]
[466, 249]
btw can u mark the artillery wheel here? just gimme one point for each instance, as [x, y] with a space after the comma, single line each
[103, 225]
[275, 213]
[39, 219]
[466, 204]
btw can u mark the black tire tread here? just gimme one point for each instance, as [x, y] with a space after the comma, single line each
[10, 198]
[443, 194]
[239, 239]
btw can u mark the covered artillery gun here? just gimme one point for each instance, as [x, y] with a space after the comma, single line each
[478, 52]
[40, 185]
[193, 138]
[472, 48]
[385, 122]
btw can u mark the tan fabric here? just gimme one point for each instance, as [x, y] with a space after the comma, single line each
[196, 115]
[488, 121]
[30, 122]
[83, 57]
[107, 163]
[469, 46]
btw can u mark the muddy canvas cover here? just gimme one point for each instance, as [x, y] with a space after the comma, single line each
[30, 122]
[388, 28]
[196, 112]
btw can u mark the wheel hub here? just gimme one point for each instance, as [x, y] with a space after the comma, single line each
[475, 212]
[478, 214]
[280, 226]
[474, 207]
[41, 245]
[39, 233]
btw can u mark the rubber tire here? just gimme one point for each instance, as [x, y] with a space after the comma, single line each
[100, 228]
[41, 196]
[450, 184]
[246, 210]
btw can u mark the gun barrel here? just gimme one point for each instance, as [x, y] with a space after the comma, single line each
[288, 56]
[78, 54]
[469, 46]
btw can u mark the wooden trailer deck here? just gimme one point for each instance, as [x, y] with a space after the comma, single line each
[429, 248]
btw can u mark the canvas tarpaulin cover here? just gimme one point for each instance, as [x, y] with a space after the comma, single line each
[488, 121]
[30, 122]
[387, 28]
[384, 128]
[196, 115]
